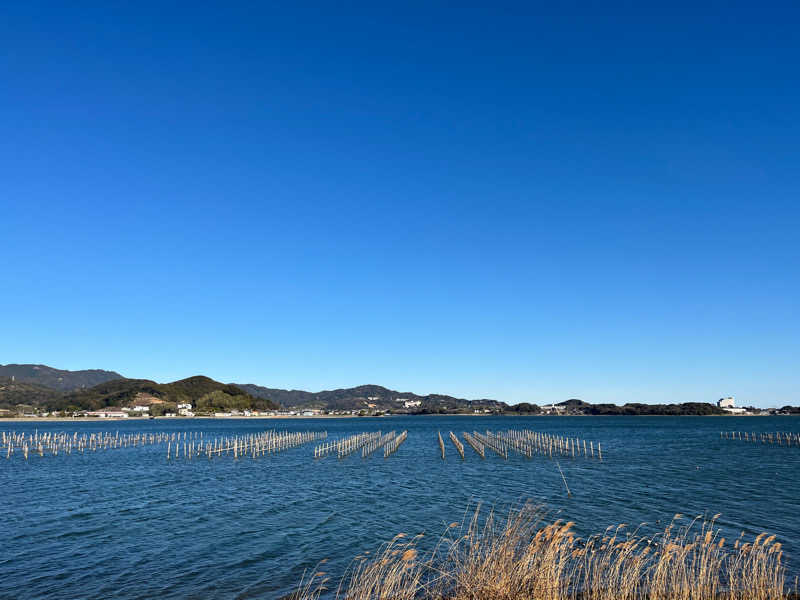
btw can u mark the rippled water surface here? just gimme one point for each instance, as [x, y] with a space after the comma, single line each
[127, 523]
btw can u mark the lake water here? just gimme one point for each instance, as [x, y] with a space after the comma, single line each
[127, 524]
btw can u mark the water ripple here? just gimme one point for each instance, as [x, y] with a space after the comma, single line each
[128, 524]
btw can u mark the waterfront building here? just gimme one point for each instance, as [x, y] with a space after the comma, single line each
[729, 406]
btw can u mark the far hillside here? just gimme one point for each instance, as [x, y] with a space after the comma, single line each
[579, 407]
[21, 395]
[37, 389]
[57, 379]
[372, 398]
[203, 393]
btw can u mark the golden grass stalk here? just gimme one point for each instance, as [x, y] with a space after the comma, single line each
[524, 557]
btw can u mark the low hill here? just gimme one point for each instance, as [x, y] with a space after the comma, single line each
[119, 392]
[203, 393]
[638, 408]
[574, 404]
[371, 397]
[57, 379]
[14, 393]
[26, 386]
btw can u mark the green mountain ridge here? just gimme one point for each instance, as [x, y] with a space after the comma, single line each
[39, 387]
[15, 393]
[201, 392]
[57, 379]
[369, 397]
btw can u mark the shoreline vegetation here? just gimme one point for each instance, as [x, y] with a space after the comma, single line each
[527, 556]
[39, 391]
[82, 419]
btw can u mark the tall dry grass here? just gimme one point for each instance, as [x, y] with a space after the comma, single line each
[526, 557]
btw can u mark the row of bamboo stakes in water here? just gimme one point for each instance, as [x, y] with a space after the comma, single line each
[50, 443]
[459, 446]
[192, 444]
[346, 446]
[371, 447]
[392, 446]
[527, 443]
[367, 442]
[523, 442]
[781, 438]
[474, 444]
[252, 445]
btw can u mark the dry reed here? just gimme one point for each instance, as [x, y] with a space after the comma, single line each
[525, 557]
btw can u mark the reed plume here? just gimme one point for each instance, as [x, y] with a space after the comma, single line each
[527, 557]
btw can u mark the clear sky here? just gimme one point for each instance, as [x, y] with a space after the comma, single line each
[485, 202]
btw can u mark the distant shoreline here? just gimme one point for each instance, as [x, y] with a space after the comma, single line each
[277, 417]
[124, 419]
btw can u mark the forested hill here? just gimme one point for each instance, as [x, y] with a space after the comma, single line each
[19, 393]
[28, 388]
[203, 393]
[57, 379]
[579, 407]
[372, 398]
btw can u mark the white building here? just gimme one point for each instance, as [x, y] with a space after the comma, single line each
[729, 406]
[411, 403]
[185, 410]
[108, 414]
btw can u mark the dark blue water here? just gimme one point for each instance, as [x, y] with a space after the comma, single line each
[128, 524]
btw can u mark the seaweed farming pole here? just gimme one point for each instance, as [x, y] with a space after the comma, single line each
[44, 444]
[781, 438]
[372, 446]
[497, 444]
[392, 446]
[474, 444]
[346, 446]
[254, 445]
[564, 479]
[350, 445]
[322, 450]
[459, 446]
[517, 442]
[441, 443]
[528, 442]
[494, 445]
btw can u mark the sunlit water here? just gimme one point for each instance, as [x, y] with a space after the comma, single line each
[128, 524]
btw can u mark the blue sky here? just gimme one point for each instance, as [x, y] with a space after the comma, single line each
[486, 202]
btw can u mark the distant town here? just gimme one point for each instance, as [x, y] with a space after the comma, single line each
[727, 405]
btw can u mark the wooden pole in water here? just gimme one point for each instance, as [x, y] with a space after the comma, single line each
[457, 444]
[569, 494]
